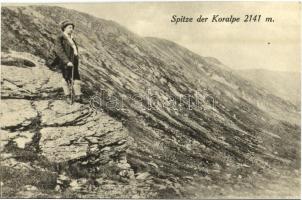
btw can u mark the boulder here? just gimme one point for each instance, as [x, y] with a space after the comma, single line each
[82, 136]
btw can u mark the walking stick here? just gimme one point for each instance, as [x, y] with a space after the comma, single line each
[71, 85]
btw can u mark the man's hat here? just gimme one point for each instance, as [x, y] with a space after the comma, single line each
[66, 23]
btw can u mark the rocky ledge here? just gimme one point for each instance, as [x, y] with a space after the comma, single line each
[42, 135]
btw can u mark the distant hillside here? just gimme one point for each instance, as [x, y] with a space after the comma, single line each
[283, 84]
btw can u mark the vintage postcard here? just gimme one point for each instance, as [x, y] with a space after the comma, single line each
[151, 100]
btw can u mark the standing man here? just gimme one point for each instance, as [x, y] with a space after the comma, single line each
[67, 51]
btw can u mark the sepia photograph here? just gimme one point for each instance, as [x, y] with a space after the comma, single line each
[150, 100]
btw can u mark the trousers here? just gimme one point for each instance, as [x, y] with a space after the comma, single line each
[76, 87]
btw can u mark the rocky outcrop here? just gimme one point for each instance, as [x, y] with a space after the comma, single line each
[78, 133]
[34, 118]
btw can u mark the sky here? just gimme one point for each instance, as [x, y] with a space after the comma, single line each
[271, 46]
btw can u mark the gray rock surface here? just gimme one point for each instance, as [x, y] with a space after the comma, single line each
[34, 118]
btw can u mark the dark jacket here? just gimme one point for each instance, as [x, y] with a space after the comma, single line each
[65, 52]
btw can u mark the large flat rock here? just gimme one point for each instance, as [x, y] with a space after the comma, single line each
[24, 76]
[16, 114]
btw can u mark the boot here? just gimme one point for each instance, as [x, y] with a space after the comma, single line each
[78, 98]
[68, 99]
